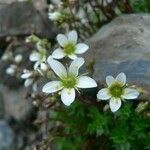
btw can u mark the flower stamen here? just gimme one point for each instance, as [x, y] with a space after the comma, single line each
[69, 48]
[69, 82]
[116, 90]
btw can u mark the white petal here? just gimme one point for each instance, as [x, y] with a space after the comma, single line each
[121, 78]
[34, 56]
[58, 53]
[81, 48]
[49, 58]
[86, 82]
[75, 65]
[73, 36]
[28, 82]
[38, 45]
[72, 56]
[11, 70]
[52, 87]
[40, 72]
[18, 58]
[54, 15]
[43, 66]
[26, 75]
[36, 65]
[34, 87]
[67, 96]
[62, 39]
[114, 104]
[130, 93]
[103, 94]
[57, 67]
[110, 80]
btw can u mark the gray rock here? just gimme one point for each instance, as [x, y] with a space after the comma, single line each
[21, 19]
[7, 137]
[7, 1]
[2, 107]
[39, 4]
[123, 46]
[16, 105]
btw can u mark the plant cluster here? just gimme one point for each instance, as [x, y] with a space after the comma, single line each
[78, 115]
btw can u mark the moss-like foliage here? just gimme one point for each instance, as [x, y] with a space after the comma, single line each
[88, 128]
[140, 5]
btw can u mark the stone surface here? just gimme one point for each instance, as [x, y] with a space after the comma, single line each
[22, 19]
[2, 107]
[123, 46]
[7, 137]
[16, 105]
[6, 1]
[39, 4]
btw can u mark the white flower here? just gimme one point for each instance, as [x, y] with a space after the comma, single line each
[39, 57]
[117, 91]
[11, 70]
[18, 58]
[69, 80]
[68, 46]
[54, 15]
[28, 75]
[28, 39]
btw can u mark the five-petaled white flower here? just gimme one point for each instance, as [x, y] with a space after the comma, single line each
[69, 80]
[39, 57]
[68, 46]
[117, 91]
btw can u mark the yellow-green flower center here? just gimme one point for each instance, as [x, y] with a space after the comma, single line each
[116, 90]
[69, 48]
[69, 81]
